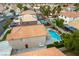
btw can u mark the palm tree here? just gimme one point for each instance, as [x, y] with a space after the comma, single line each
[53, 11]
[56, 11]
[45, 10]
[20, 6]
[59, 9]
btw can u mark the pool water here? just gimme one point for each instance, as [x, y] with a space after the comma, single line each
[55, 36]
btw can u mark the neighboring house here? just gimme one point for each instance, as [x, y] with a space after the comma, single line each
[70, 7]
[74, 24]
[2, 8]
[69, 16]
[25, 20]
[5, 48]
[43, 52]
[27, 36]
[31, 12]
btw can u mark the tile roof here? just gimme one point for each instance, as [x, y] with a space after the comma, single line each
[27, 17]
[71, 6]
[74, 24]
[27, 31]
[70, 14]
[43, 52]
[1, 7]
[28, 12]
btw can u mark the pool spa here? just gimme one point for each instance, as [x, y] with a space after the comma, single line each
[54, 36]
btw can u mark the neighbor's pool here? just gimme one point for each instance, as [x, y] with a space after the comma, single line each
[54, 35]
[43, 22]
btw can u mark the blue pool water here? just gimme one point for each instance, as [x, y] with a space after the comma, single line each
[55, 36]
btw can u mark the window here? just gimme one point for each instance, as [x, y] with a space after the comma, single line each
[26, 45]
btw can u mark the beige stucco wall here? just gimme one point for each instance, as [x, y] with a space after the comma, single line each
[32, 42]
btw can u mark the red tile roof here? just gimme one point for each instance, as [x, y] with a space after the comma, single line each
[70, 14]
[28, 12]
[27, 31]
[43, 52]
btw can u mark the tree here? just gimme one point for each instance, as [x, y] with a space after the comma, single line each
[59, 9]
[76, 4]
[25, 8]
[20, 6]
[77, 9]
[71, 41]
[7, 8]
[67, 38]
[53, 11]
[12, 11]
[59, 22]
[7, 24]
[56, 11]
[45, 10]
[76, 40]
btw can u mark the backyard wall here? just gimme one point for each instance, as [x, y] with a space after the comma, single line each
[32, 42]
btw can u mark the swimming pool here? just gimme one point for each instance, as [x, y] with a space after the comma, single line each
[43, 22]
[54, 35]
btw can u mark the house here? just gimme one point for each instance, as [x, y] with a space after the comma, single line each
[69, 16]
[31, 12]
[5, 48]
[70, 7]
[27, 36]
[1, 8]
[25, 20]
[43, 52]
[74, 24]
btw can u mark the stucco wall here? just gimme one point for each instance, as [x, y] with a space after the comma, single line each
[32, 42]
[67, 19]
